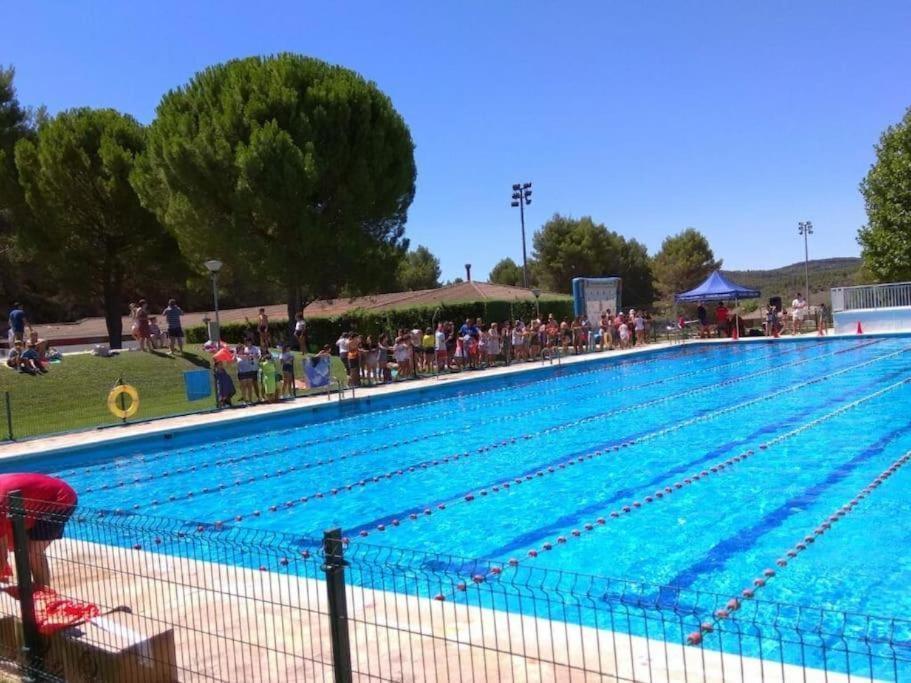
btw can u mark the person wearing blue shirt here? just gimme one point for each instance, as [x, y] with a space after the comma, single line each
[175, 331]
[17, 322]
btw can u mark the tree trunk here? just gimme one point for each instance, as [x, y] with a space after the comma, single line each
[112, 317]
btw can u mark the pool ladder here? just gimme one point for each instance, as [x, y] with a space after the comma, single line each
[339, 389]
[548, 355]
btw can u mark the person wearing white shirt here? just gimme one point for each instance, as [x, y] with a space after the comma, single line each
[342, 344]
[798, 313]
[439, 347]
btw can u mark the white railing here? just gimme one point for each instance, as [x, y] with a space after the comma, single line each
[891, 295]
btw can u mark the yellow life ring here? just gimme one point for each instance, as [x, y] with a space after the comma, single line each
[113, 406]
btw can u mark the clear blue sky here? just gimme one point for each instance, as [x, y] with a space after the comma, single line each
[736, 118]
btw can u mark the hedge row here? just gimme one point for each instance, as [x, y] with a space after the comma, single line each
[326, 330]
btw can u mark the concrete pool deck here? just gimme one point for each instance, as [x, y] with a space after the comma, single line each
[236, 624]
[62, 442]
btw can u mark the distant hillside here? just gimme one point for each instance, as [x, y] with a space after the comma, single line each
[786, 281]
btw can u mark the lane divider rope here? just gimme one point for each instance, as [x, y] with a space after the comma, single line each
[794, 552]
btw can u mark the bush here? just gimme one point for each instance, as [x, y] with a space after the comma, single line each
[323, 331]
[327, 330]
[234, 333]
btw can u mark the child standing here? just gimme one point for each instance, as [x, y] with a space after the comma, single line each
[270, 384]
[287, 362]
[624, 334]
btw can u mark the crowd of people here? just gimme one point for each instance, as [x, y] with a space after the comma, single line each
[474, 344]
[774, 319]
[28, 353]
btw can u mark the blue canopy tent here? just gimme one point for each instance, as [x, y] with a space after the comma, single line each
[717, 287]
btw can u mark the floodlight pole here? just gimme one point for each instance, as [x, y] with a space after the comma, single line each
[805, 228]
[521, 195]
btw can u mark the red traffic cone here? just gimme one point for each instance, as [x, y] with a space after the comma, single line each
[860, 330]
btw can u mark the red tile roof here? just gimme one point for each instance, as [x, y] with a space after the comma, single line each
[93, 329]
[450, 294]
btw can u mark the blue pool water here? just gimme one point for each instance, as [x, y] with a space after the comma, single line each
[545, 453]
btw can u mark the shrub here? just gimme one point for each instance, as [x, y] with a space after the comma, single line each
[326, 330]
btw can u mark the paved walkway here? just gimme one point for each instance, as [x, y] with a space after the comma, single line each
[235, 624]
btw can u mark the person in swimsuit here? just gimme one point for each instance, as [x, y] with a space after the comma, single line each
[144, 326]
[49, 503]
[134, 321]
[354, 360]
[300, 332]
[263, 329]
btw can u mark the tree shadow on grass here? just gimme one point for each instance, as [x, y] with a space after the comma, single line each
[188, 356]
[196, 360]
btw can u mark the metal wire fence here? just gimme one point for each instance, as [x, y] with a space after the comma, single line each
[183, 600]
[31, 408]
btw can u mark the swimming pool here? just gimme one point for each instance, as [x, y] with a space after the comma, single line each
[699, 468]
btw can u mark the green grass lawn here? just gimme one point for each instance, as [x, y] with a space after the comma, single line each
[73, 394]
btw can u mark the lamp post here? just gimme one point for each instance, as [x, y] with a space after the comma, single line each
[521, 197]
[537, 293]
[805, 228]
[213, 266]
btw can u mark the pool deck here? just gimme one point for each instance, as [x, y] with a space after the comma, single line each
[60, 442]
[237, 624]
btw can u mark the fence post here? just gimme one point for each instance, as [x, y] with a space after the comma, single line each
[333, 552]
[9, 417]
[31, 638]
[293, 379]
[215, 387]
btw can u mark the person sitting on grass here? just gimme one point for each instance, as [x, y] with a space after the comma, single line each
[15, 354]
[30, 362]
[40, 345]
